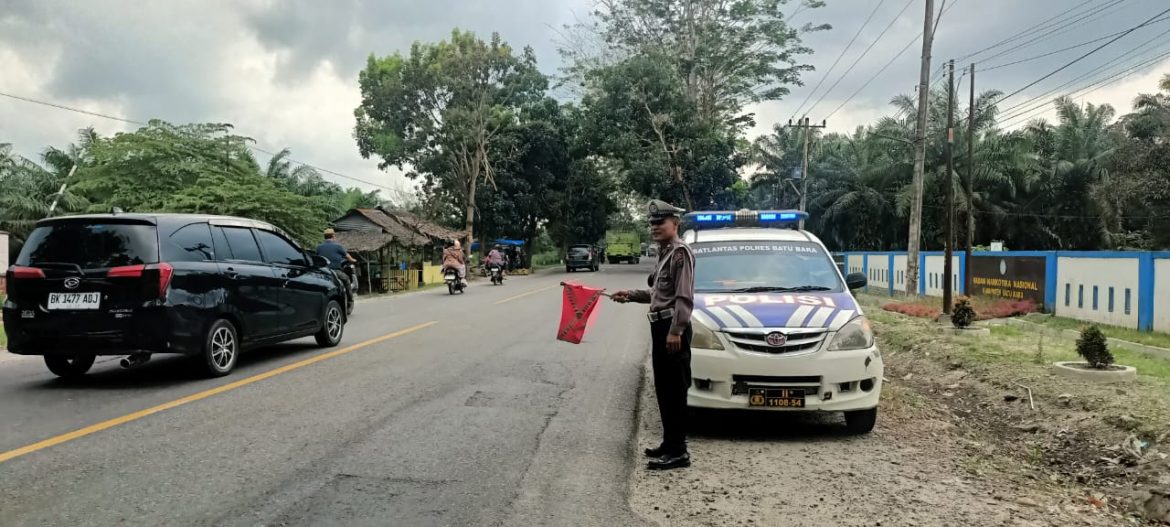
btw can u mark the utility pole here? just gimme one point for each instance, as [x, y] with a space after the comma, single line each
[949, 181]
[61, 191]
[915, 237]
[967, 185]
[803, 123]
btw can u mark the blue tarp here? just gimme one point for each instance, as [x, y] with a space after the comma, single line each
[502, 241]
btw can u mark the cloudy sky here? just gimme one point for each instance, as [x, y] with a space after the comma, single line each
[285, 71]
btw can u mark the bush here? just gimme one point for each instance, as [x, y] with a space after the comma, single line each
[1093, 348]
[963, 314]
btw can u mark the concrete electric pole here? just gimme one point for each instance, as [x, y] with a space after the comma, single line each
[967, 185]
[915, 237]
[949, 181]
[808, 128]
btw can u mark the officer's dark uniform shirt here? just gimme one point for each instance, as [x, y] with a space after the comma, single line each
[672, 285]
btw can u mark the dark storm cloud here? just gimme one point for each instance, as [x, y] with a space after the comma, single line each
[154, 57]
[346, 32]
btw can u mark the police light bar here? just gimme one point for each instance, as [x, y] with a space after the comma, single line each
[724, 218]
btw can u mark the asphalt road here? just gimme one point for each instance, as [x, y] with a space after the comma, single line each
[436, 410]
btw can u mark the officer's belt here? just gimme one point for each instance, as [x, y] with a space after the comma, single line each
[665, 314]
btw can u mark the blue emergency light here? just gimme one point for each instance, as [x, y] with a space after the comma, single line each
[716, 219]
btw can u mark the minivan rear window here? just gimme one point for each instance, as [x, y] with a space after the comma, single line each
[90, 245]
[579, 251]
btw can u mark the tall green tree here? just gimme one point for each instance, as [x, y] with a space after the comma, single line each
[440, 111]
[726, 54]
[637, 114]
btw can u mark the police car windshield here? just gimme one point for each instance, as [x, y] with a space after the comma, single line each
[763, 266]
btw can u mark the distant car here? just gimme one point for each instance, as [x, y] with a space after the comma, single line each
[208, 287]
[582, 256]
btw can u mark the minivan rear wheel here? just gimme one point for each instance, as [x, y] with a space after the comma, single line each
[333, 327]
[69, 366]
[221, 349]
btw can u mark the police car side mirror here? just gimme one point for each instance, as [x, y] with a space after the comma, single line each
[856, 281]
[320, 262]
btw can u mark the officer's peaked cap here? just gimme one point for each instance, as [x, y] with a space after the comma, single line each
[661, 209]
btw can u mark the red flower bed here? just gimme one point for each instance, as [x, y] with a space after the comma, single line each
[912, 309]
[1005, 309]
[984, 308]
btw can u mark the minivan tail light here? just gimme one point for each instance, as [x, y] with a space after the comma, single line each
[128, 271]
[165, 272]
[21, 272]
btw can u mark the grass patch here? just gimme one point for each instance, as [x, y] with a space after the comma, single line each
[1149, 338]
[3, 337]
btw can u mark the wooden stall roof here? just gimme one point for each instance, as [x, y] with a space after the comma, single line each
[364, 241]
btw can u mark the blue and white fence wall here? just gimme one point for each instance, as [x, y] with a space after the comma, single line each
[1121, 288]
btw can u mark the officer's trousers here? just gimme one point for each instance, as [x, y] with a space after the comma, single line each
[672, 379]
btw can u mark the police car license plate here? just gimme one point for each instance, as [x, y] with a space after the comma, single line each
[74, 301]
[776, 397]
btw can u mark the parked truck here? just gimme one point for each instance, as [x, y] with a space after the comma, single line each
[623, 246]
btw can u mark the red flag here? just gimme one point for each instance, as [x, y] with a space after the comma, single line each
[578, 303]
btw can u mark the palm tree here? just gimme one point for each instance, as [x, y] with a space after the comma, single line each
[854, 204]
[778, 157]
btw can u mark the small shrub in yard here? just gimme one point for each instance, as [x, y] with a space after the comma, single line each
[963, 314]
[1093, 348]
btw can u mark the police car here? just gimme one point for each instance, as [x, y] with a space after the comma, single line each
[776, 327]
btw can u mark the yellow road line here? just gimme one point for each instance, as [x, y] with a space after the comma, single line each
[522, 295]
[105, 425]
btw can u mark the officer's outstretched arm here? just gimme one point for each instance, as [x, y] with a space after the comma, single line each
[640, 296]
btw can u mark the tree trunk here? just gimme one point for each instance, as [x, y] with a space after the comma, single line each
[470, 224]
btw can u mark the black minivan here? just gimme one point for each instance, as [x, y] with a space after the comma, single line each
[135, 284]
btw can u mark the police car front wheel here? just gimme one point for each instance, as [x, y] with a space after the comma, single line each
[859, 422]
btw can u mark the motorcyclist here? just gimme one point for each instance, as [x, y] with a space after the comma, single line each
[453, 259]
[337, 256]
[495, 257]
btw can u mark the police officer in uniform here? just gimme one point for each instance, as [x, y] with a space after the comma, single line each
[671, 297]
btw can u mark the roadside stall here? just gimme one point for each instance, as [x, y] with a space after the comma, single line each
[398, 250]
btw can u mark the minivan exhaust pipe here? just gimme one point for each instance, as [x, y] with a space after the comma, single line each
[136, 359]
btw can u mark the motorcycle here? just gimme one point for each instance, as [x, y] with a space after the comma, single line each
[497, 273]
[454, 284]
[350, 270]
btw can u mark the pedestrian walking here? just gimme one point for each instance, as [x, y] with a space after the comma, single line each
[671, 296]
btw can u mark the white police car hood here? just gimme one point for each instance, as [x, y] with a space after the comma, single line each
[775, 310]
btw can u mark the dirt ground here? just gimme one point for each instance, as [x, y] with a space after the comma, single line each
[957, 443]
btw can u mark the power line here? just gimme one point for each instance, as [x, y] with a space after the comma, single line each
[140, 123]
[1107, 80]
[1082, 57]
[1058, 216]
[1124, 55]
[1059, 30]
[842, 55]
[1023, 32]
[1061, 50]
[1012, 113]
[885, 67]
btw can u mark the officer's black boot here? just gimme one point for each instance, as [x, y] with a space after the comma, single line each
[657, 451]
[670, 461]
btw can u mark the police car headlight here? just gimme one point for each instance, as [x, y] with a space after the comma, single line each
[855, 335]
[704, 338]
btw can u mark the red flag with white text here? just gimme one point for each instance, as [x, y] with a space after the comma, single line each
[576, 308]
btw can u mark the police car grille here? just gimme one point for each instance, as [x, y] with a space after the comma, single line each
[754, 341]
